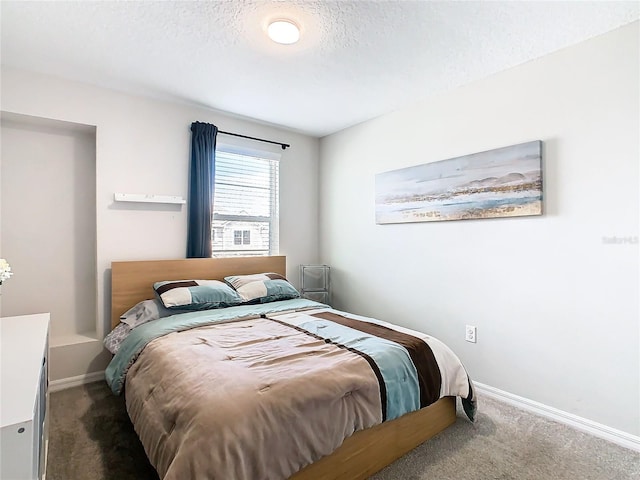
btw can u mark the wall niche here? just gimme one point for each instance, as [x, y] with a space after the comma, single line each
[48, 223]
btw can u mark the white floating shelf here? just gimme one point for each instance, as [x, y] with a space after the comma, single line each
[141, 197]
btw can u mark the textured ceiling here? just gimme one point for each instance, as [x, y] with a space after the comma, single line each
[356, 59]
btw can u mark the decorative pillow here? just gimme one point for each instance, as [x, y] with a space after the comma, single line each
[262, 287]
[116, 337]
[196, 294]
[146, 311]
[142, 312]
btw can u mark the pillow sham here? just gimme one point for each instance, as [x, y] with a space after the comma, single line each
[143, 312]
[262, 287]
[196, 294]
[146, 311]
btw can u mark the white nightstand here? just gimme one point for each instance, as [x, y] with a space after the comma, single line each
[24, 379]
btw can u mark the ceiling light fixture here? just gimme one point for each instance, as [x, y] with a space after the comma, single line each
[283, 31]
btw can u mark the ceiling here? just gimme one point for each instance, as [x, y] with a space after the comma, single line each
[356, 59]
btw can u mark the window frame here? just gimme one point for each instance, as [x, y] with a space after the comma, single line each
[273, 220]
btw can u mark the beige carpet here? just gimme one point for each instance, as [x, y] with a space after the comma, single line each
[91, 438]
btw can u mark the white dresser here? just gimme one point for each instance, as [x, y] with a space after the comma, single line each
[23, 396]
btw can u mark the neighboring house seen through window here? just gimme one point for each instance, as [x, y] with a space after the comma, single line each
[245, 205]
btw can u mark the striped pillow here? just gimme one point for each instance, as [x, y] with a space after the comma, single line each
[196, 294]
[262, 287]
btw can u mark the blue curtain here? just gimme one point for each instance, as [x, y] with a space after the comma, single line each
[201, 177]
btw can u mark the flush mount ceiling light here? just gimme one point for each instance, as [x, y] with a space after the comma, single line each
[283, 31]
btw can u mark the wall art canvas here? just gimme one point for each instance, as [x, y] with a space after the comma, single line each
[505, 182]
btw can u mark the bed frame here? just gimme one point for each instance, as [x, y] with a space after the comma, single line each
[362, 454]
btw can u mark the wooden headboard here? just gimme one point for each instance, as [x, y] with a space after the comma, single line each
[132, 282]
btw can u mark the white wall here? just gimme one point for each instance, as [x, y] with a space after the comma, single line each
[142, 146]
[555, 306]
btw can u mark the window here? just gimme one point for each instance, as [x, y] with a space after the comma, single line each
[241, 237]
[217, 238]
[245, 204]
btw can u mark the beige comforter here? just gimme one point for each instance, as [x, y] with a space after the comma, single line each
[261, 398]
[247, 400]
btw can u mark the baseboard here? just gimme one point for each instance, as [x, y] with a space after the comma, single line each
[596, 429]
[64, 383]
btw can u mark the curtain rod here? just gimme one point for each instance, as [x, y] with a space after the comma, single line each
[283, 145]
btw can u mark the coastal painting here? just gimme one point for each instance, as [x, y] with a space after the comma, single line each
[505, 182]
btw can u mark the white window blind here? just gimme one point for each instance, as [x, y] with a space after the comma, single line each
[245, 205]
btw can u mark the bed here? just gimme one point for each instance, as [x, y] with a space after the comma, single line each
[348, 445]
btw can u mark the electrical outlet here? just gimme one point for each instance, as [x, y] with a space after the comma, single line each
[470, 334]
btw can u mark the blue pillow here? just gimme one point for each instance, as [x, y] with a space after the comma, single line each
[196, 294]
[262, 287]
